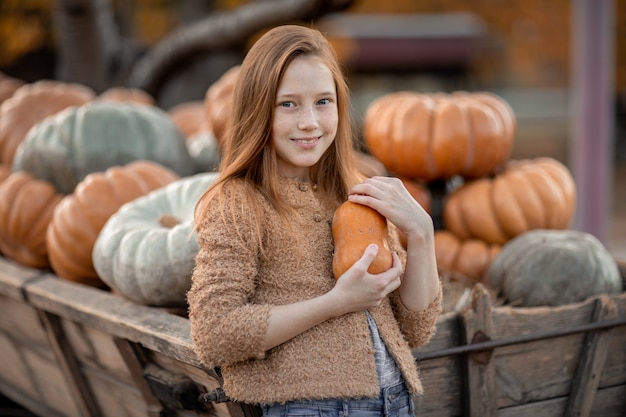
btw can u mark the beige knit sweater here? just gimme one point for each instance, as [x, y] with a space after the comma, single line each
[234, 287]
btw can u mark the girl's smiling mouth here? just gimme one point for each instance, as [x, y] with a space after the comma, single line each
[307, 142]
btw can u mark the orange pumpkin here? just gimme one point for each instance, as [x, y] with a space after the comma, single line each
[438, 136]
[529, 194]
[470, 258]
[354, 227]
[80, 216]
[32, 103]
[189, 117]
[127, 94]
[26, 207]
[5, 171]
[218, 102]
[8, 86]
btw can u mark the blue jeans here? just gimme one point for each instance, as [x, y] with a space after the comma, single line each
[394, 401]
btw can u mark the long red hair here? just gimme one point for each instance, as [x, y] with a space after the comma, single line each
[246, 152]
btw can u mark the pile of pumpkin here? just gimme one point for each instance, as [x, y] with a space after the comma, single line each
[100, 189]
[502, 222]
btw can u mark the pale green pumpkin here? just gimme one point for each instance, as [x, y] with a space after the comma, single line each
[63, 149]
[146, 250]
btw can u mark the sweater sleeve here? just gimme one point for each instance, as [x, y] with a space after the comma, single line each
[418, 327]
[225, 326]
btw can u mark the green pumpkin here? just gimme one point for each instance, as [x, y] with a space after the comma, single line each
[63, 149]
[145, 256]
[553, 267]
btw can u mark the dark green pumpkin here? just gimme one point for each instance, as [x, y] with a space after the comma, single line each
[553, 267]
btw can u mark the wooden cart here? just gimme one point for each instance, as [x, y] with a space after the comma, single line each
[71, 350]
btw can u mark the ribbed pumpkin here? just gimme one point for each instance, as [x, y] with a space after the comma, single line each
[5, 171]
[80, 216]
[437, 136]
[31, 104]
[529, 194]
[146, 250]
[218, 102]
[553, 267]
[470, 258]
[8, 86]
[65, 148]
[26, 207]
[189, 117]
[127, 94]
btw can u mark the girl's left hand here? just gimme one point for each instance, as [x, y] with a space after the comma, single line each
[389, 197]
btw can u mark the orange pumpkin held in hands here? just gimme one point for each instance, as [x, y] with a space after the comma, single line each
[356, 226]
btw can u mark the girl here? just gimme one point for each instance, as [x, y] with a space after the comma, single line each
[264, 305]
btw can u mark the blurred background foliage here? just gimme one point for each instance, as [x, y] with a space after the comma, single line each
[528, 42]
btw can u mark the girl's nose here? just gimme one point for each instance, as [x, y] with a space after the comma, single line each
[308, 118]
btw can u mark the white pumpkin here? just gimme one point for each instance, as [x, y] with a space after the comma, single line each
[146, 250]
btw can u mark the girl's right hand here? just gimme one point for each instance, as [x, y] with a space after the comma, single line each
[355, 290]
[358, 290]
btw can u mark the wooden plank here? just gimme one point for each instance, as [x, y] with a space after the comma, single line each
[14, 277]
[116, 397]
[543, 369]
[529, 372]
[29, 366]
[609, 403]
[135, 366]
[153, 328]
[448, 334]
[443, 387]
[539, 372]
[96, 349]
[481, 377]
[28, 401]
[21, 322]
[592, 358]
[70, 366]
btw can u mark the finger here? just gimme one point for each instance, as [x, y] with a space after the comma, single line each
[368, 256]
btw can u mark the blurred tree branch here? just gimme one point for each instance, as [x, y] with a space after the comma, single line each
[222, 31]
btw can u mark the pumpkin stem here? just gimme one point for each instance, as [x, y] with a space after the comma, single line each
[168, 220]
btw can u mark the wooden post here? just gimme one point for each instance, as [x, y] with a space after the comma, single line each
[135, 367]
[592, 118]
[69, 364]
[480, 370]
[592, 357]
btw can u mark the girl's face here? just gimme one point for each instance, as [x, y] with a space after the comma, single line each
[305, 116]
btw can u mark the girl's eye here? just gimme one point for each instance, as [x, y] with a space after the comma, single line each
[324, 101]
[287, 104]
